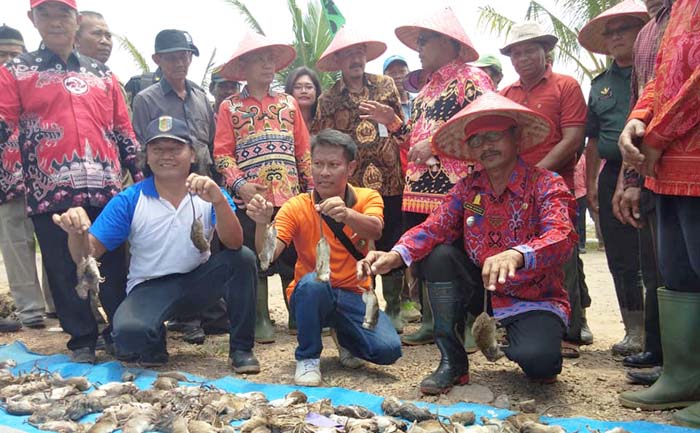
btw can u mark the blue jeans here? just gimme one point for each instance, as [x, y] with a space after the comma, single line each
[139, 332]
[316, 304]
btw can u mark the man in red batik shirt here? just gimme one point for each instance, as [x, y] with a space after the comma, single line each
[515, 221]
[74, 130]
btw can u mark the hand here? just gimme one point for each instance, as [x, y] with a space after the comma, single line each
[377, 111]
[334, 207]
[249, 190]
[205, 188]
[498, 268]
[592, 198]
[74, 221]
[260, 210]
[632, 133]
[378, 263]
[629, 207]
[420, 152]
[651, 157]
[617, 195]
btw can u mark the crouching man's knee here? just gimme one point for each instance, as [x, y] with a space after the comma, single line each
[538, 362]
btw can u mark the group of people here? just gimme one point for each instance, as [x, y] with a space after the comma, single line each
[462, 192]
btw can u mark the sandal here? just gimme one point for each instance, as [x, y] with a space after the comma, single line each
[569, 350]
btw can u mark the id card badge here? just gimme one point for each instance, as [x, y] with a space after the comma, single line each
[383, 132]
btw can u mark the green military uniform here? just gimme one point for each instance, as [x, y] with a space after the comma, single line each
[608, 107]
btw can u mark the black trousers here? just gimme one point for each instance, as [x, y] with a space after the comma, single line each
[650, 272]
[678, 219]
[74, 314]
[534, 337]
[621, 243]
[284, 265]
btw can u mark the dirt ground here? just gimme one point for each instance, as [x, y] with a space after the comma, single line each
[587, 387]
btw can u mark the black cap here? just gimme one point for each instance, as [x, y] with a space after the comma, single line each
[168, 41]
[168, 127]
[10, 36]
[216, 77]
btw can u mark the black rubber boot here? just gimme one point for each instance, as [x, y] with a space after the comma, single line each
[447, 301]
[264, 331]
[392, 284]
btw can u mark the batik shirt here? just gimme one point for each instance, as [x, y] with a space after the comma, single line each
[265, 142]
[450, 89]
[379, 163]
[533, 216]
[670, 105]
[11, 182]
[74, 129]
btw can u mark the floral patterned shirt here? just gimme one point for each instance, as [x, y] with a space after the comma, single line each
[450, 89]
[74, 130]
[533, 216]
[265, 142]
[379, 163]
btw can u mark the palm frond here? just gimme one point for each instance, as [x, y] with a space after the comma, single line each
[581, 12]
[298, 29]
[494, 22]
[247, 16]
[135, 54]
[207, 72]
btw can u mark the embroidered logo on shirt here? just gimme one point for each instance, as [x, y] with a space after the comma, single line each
[606, 92]
[475, 205]
[75, 85]
[366, 132]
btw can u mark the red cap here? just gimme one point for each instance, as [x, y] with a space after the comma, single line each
[70, 3]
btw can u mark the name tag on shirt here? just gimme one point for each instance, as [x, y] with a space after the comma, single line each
[383, 132]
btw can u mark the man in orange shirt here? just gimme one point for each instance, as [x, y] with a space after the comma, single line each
[338, 303]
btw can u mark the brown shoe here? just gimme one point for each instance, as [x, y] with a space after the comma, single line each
[569, 350]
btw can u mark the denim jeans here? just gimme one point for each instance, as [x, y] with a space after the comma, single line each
[139, 331]
[316, 304]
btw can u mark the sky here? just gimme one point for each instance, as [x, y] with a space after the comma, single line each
[215, 24]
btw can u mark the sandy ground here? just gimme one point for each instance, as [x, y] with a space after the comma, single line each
[588, 386]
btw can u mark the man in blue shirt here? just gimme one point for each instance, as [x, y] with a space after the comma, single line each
[169, 275]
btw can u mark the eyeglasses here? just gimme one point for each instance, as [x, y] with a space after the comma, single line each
[620, 31]
[478, 140]
[424, 38]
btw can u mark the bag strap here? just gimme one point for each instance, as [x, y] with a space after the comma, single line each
[337, 229]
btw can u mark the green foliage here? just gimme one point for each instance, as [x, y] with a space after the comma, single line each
[207, 72]
[566, 28]
[136, 55]
[247, 16]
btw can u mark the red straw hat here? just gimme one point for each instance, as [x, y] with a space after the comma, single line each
[450, 139]
[345, 38]
[69, 3]
[444, 22]
[284, 55]
[592, 35]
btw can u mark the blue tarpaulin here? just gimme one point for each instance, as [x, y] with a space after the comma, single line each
[112, 371]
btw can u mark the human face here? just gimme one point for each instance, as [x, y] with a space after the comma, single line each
[397, 71]
[175, 65]
[330, 170]
[169, 159]
[9, 52]
[620, 35]
[94, 38]
[494, 149]
[653, 6]
[352, 61]
[304, 91]
[259, 66]
[529, 60]
[223, 90]
[434, 50]
[57, 24]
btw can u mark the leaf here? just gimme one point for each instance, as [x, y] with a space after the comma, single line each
[136, 55]
[207, 72]
[247, 16]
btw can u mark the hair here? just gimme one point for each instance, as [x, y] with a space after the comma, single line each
[297, 73]
[88, 14]
[142, 161]
[333, 137]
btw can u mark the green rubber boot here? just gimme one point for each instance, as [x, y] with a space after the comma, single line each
[392, 284]
[690, 416]
[291, 323]
[469, 342]
[424, 335]
[679, 384]
[264, 331]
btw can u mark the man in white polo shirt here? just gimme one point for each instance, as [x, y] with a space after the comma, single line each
[168, 274]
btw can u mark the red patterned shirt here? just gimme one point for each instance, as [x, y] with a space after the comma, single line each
[11, 182]
[533, 216]
[265, 142]
[670, 104]
[74, 130]
[450, 89]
